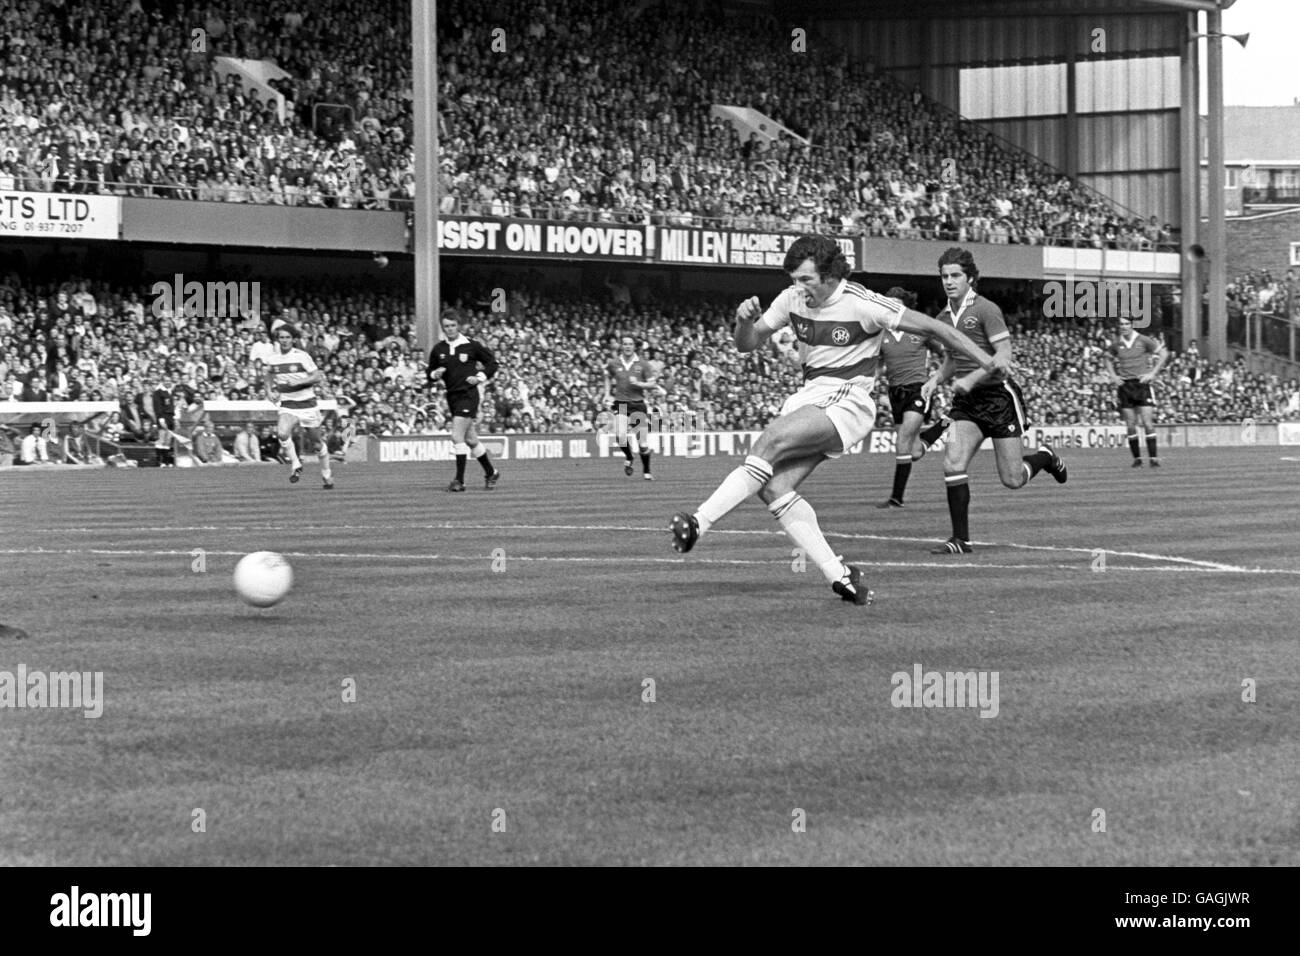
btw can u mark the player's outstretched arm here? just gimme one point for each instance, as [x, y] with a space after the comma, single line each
[921, 324]
[750, 333]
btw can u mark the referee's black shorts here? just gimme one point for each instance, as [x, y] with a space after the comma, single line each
[997, 408]
[464, 404]
[1134, 394]
[907, 398]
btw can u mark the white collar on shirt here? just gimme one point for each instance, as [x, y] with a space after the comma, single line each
[965, 304]
[457, 342]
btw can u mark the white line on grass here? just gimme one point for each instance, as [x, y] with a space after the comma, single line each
[847, 536]
[462, 558]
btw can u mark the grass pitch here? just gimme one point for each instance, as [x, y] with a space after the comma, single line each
[1122, 612]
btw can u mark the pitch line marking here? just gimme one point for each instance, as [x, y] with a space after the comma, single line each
[450, 526]
[557, 559]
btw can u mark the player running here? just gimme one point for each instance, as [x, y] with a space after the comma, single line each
[631, 376]
[1132, 355]
[905, 357]
[292, 374]
[455, 361]
[985, 406]
[838, 326]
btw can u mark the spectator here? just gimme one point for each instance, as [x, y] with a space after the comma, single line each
[247, 446]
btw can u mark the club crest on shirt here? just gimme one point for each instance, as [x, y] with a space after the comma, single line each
[969, 322]
[464, 357]
[914, 339]
[840, 335]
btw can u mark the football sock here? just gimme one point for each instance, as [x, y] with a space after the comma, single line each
[902, 468]
[645, 462]
[1034, 464]
[959, 505]
[292, 448]
[1151, 445]
[735, 488]
[627, 450]
[479, 451]
[931, 434]
[460, 467]
[1133, 444]
[799, 521]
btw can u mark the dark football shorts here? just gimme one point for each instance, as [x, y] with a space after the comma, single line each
[907, 398]
[1134, 394]
[998, 409]
[640, 422]
[464, 404]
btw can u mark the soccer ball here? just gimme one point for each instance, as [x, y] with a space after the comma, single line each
[263, 578]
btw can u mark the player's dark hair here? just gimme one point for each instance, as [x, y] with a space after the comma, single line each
[826, 254]
[905, 296]
[286, 327]
[955, 255]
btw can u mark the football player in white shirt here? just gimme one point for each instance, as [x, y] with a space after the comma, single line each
[292, 374]
[837, 324]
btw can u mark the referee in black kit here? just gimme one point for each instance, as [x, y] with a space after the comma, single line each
[456, 361]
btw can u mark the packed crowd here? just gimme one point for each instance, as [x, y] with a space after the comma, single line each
[91, 341]
[1258, 291]
[106, 100]
[580, 112]
[590, 115]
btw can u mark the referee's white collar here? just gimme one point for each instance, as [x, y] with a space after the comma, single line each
[458, 341]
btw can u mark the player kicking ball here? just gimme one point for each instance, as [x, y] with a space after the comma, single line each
[291, 373]
[454, 361]
[837, 326]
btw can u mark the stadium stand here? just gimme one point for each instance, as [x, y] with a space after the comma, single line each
[93, 341]
[616, 126]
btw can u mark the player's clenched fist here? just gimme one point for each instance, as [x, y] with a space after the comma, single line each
[749, 310]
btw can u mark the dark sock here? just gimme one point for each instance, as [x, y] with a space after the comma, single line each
[902, 468]
[1151, 444]
[931, 434]
[460, 467]
[1037, 462]
[627, 450]
[1133, 445]
[486, 461]
[645, 462]
[959, 507]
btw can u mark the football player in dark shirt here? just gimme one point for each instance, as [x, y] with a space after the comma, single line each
[906, 356]
[455, 362]
[1131, 354]
[986, 405]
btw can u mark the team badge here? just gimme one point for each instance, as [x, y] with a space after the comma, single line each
[914, 339]
[840, 335]
[464, 357]
[969, 323]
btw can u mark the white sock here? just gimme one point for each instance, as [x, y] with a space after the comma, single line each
[293, 453]
[799, 521]
[735, 488]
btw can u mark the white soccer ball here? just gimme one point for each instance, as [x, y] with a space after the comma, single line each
[263, 578]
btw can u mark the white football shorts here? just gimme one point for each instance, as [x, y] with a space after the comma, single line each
[847, 403]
